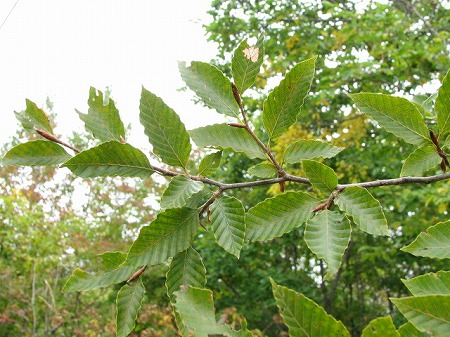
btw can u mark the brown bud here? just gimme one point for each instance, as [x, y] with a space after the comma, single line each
[137, 274]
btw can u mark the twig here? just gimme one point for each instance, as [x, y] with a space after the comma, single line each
[54, 139]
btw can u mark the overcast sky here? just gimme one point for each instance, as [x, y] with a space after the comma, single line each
[61, 48]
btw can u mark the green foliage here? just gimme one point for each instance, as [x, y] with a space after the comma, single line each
[396, 115]
[34, 118]
[36, 153]
[179, 190]
[283, 104]
[435, 242]
[442, 107]
[102, 120]
[246, 62]
[196, 309]
[379, 327]
[224, 137]
[327, 235]
[190, 198]
[211, 86]
[110, 159]
[186, 270]
[303, 317]
[227, 223]
[309, 149]
[364, 209]
[279, 215]
[164, 130]
[129, 299]
[321, 176]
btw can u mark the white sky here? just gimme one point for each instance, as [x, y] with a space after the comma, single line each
[61, 48]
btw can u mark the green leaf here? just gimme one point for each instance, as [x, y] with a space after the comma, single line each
[223, 136]
[429, 314]
[110, 159]
[276, 216]
[304, 317]
[187, 270]
[112, 260]
[199, 198]
[179, 190]
[321, 176]
[422, 159]
[164, 130]
[245, 69]
[36, 153]
[327, 234]
[80, 280]
[33, 117]
[408, 330]
[446, 142]
[211, 85]
[196, 311]
[434, 243]
[102, 120]
[210, 164]
[128, 302]
[228, 224]
[309, 149]
[365, 210]
[283, 104]
[380, 327]
[396, 114]
[442, 107]
[429, 284]
[170, 233]
[263, 170]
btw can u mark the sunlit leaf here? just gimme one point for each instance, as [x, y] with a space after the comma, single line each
[442, 107]
[429, 314]
[36, 153]
[408, 330]
[187, 270]
[321, 176]
[170, 233]
[365, 210]
[246, 69]
[211, 85]
[327, 234]
[223, 136]
[429, 284]
[380, 327]
[422, 159]
[304, 317]
[128, 302]
[112, 260]
[164, 130]
[434, 243]
[263, 170]
[179, 190]
[196, 310]
[396, 114]
[210, 163]
[110, 159]
[228, 224]
[276, 216]
[81, 280]
[33, 117]
[102, 120]
[283, 104]
[309, 149]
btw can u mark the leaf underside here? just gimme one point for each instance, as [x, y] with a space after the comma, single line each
[36, 153]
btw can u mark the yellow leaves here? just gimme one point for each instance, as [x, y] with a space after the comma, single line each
[292, 43]
[442, 208]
